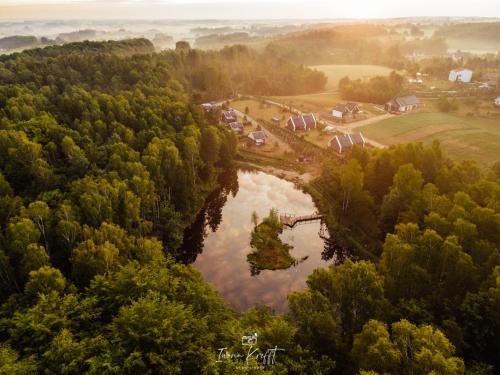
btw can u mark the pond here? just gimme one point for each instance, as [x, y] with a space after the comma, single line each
[218, 242]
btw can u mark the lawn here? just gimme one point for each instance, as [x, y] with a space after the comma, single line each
[258, 110]
[336, 72]
[310, 102]
[461, 137]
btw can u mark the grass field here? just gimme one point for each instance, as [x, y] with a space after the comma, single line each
[321, 103]
[461, 137]
[258, 110]
[310, 102]
[337, 72]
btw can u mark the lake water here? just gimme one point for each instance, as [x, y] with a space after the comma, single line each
[218, 242]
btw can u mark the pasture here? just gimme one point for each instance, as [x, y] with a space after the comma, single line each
[335, 73]
[461, 137]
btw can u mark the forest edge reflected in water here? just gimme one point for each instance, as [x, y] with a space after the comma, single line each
[227, 218]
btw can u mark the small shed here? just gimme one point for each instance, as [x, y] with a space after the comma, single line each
[258, 137]
[329, 129]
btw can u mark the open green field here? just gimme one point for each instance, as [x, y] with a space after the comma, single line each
[321, 103]
[336, 72]
[461, 137]
[310, 102]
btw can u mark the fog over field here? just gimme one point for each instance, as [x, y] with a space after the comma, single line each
[240, 9]
[249, 186]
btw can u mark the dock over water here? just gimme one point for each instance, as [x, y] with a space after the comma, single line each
[291, 220]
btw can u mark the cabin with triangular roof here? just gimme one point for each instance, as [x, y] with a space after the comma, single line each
[343, 142]
[302, 122]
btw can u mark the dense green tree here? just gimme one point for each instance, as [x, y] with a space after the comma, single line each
[408, 350]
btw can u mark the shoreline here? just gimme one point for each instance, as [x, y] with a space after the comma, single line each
[300, 179]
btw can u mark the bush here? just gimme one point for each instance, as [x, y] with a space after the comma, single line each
[446, 105]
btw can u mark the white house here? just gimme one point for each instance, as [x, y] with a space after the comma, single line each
[497, 101]
[460, 75]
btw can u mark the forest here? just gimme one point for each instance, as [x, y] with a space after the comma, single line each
[105, 159]
[429, 231]
[366, 43]
[378, 89]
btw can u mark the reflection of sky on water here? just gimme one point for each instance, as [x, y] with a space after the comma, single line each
[223, 261]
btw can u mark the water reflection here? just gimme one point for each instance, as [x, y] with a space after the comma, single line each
[210, 216]
[218, 243]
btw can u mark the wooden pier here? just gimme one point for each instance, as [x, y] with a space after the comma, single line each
[291, 220]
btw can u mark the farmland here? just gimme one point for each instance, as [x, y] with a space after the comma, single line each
[335, 73]
[461, 137]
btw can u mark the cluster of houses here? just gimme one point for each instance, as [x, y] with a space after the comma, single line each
[230, 119]
[301, 122]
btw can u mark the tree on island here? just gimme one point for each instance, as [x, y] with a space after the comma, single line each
[270, 253]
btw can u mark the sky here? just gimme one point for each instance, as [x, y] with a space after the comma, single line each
[243, 9]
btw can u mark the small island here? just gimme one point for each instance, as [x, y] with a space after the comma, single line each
[270, 253]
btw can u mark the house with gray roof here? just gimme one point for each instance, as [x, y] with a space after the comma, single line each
[229, 116]
[258, 137]
[343, 142]
[402, 104]
[302, 122]
[342, 111]
[237, 127]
